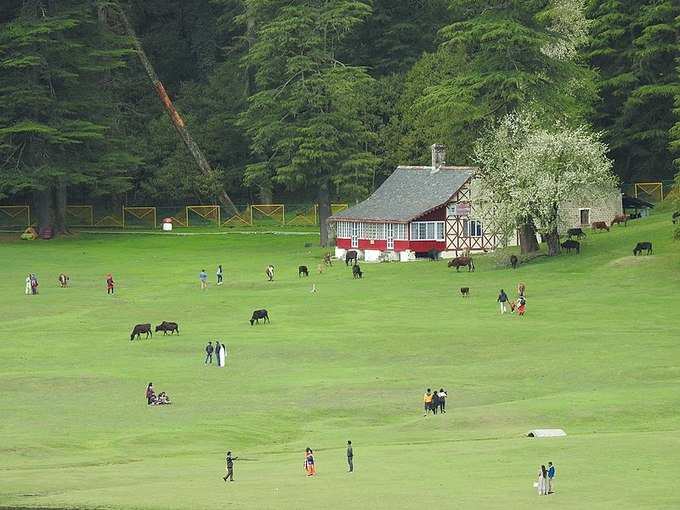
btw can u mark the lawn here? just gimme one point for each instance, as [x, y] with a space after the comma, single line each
[597, 354]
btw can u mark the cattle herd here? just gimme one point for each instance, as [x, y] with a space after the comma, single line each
[620, 219]
[573, 243]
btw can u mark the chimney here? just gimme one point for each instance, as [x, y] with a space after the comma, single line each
[438, 156]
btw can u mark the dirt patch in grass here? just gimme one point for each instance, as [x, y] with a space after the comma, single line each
[631, 261]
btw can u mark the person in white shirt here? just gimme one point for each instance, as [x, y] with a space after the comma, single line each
[28, 284]
[220, 274]
[442, 400]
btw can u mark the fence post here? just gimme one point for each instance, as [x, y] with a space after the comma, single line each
[123, 217]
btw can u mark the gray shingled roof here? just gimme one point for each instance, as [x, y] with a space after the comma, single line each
[408, 193]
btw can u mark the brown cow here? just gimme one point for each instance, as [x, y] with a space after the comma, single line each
[600, 225]
[620, 218]
[459, 262]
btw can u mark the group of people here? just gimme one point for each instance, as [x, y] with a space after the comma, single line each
[434, 401]
[203, 277]
[546, 480]
[309, 464]
[518, 305]
[31, 284]
[156, 400]
[219, 350]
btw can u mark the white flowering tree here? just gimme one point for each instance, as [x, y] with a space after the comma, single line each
[529, 171]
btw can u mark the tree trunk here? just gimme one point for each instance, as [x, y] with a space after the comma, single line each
[324, 199]
[60, 208]
[175, 118]
[553, 240]
[266, 196]
[527, 237]
[42, 201]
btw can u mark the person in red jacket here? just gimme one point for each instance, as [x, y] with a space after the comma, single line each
[109, 284]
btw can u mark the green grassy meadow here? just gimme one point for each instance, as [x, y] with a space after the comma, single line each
[598, 354]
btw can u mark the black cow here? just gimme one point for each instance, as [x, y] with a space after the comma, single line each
[433, 255]
[514, 261]
[167, 327]
[570, 244]
[465, 291]
[351, 255]
[676, 216]
[139, 329]
[644, 246]
[578, 233]
[302, 270]
[259, 314]
[356, 271]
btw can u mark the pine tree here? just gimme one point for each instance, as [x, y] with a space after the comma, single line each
[305, 118]
[635, 46]
[54, 109]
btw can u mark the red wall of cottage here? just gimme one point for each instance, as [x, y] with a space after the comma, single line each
[365, 244]
[345, 244]
[434, 215]
[423, 246]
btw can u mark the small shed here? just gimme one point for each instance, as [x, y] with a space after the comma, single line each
[636, 207]
[546, 433]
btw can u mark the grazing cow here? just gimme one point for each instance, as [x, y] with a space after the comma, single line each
[139, 329]
[514, 261]
[459, 262]
[351, 255]
[600, 225]
[578, 233]
[167, 327]
[433, 255]
[302, 270]
[570, 244]
[676, 217]
[465, 291]
[620, 218]
[644, 246]
[259, 314]
[356, 271]
[269, 272]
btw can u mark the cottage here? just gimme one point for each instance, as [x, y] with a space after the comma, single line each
[416, 210]
[423, 208]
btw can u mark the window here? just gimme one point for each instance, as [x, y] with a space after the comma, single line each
[374, 231]
[584, 216]
[344, 230]
[427, 231]
[473, 228]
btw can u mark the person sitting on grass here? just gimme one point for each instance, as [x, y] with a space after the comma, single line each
[163, 399]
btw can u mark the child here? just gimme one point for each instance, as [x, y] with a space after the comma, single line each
[109, 283]
[220, 274]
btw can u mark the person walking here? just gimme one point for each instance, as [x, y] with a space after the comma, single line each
[29, 287]
[203, 277]
[310, 467]
[220, 274]
[34, 284]
[427, 401]
[350, 457]
[230, 468]
[110, 284]
[209, 349]
[434, 406]
[542, 483]
[521, 305]
[503, 300]
[442, 400]
[551, 478]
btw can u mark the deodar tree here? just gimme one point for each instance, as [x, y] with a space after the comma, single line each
[304, 118]
[531, 171]
[55, 115]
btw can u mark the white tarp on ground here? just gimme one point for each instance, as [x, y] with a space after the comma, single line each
[546, 433]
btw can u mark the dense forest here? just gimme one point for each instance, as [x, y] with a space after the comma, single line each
[313, 100]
